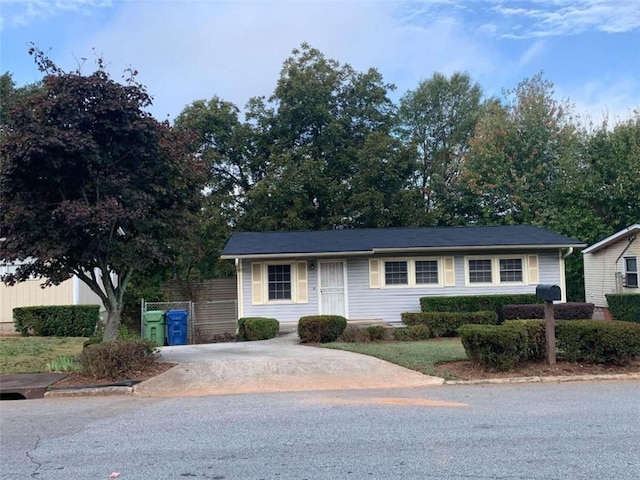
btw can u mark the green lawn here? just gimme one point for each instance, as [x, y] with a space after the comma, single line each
[421, 356]
[31, 354]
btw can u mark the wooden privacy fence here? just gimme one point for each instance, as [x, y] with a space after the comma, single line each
[215, 306]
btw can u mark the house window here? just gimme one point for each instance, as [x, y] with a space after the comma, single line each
[426, 271]
[396, 273]
[480, 270]
[279, 282]
[631, 272]
[510, 270]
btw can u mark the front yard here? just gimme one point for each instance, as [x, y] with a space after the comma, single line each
[32, 354]
[423, 356]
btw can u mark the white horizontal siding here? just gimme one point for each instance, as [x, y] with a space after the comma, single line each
[600, 269]
[389, 303]
[284, 312]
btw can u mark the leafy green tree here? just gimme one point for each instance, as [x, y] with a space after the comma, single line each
[91, 185]
[517, 155]
[437, 119]
[325, 138]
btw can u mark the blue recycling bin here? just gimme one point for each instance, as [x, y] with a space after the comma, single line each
[176, 321]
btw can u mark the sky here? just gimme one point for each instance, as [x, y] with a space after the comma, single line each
[186, 50]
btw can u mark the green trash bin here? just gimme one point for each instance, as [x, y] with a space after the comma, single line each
[154, 326]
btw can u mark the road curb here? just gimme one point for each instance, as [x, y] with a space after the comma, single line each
[550, 379]
[89, 392]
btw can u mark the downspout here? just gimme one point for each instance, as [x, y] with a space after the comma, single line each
[563, 274]
[630, 240]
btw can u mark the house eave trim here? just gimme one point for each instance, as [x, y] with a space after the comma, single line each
[400, 250]
[296, 255]
[631, 230]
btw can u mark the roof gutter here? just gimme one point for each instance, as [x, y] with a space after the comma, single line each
[296, 255]
[396, 251]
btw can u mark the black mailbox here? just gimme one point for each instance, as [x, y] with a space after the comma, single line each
[548, 293]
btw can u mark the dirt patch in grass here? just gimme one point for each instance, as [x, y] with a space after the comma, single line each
[76, 379]
[466, 370]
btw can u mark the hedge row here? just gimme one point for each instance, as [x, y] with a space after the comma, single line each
[562, 311]
[495, 347]
[257, 328]
[588, 341]
[57, 320]
[321, 328]
[624, 307]
[475, 303]
[445, 324]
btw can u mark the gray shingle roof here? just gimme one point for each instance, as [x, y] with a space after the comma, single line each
[255, 244]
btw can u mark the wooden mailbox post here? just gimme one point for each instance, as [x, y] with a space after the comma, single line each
[549, 293]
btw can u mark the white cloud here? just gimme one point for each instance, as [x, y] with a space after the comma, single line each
[23, 12]
[531, 53]
[598, 100]
[567, 17]
[235, 50]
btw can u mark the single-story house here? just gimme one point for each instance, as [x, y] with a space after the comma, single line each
[376, 274]
[30, 294]
[611, 266]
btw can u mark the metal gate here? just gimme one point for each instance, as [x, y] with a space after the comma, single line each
[207, 319]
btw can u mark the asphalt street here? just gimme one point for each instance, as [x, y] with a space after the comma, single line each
[527, 431]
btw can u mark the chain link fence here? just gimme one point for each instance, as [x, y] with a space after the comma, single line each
[208, 321]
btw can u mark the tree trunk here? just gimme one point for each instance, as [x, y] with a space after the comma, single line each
[112, 322]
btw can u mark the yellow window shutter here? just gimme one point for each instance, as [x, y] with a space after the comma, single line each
[374, 273]
[449, 272]
[302, 295]
[257, 289]
[534, 276]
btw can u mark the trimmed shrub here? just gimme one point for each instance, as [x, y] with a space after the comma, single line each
[475, 303]
[375, 333]
[412, 333]
[624, 307]
[536, 339]
[119, 359]
[257, 328]
[353, 334]
[321, 328]
[494, 347]
[593, 341]
[562, 311]
[446, 324]
[57, 320]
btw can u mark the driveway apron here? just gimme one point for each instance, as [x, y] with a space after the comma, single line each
[277, 365]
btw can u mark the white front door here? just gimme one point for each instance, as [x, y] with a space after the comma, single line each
[332, 288]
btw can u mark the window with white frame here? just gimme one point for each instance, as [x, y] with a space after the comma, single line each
[511, 270]
[631, 272]
[396, 272]
[279, 282]
[426, 272]
[480, 270]
[501, 270]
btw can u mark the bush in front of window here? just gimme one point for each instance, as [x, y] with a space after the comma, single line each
[57, 320]
[321, 328]
[494, 347]
[562, 311]
[257, 328]
[446, 324]
[595, 341]
[475, 303]
[624, 306]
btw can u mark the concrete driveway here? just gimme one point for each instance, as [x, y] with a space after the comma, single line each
[277, 365]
